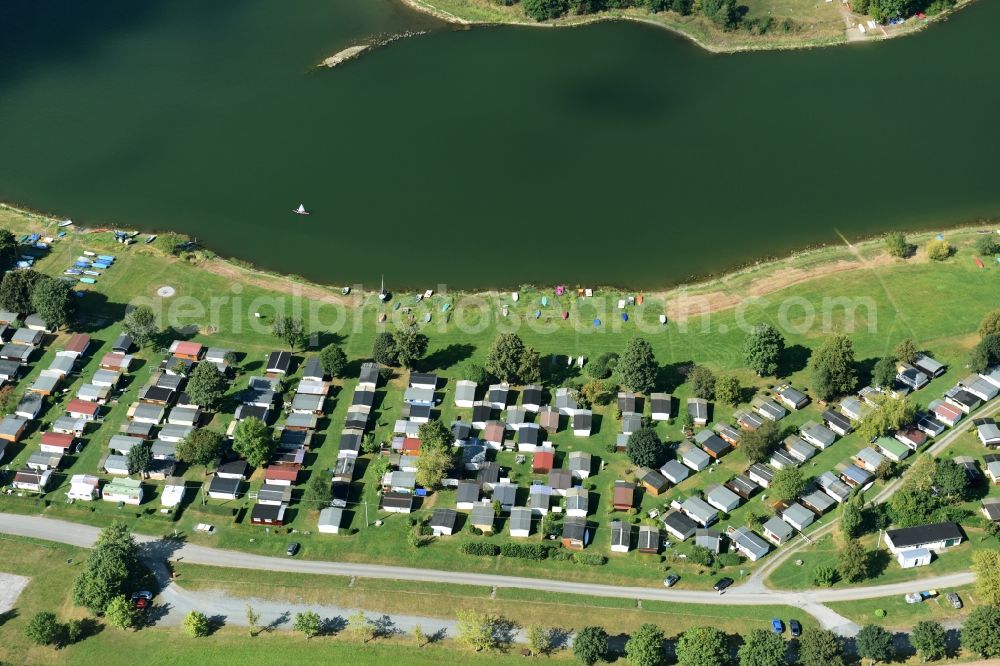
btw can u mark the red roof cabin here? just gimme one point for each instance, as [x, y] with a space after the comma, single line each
[411, 446]
[188, 350]
[115, 361]
[77, 344]
[542, 462]
[81, 409]
[56, 442]
[282, 475]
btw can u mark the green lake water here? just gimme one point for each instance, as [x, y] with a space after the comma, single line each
[611, 154]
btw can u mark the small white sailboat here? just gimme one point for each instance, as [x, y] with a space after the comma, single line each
[150, 238]
[514, 295]
[301, 210]
[382, 293]
[65, 223]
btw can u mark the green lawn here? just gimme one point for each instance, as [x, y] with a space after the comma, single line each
[939, 305]
[901, 615]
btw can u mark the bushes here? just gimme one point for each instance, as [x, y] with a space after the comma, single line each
[589, 559]
[525, 551]
[728, 559]
[480, 548]
[939, 250]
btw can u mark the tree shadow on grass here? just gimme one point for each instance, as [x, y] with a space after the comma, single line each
[446, 357]
[793, 359]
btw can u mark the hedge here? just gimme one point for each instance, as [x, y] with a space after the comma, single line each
[480, 548]
[526, 551]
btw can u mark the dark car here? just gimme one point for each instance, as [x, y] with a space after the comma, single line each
[671, 580]
[722, 584]
[778, 626]
[292, 548]
[795, 627]
[954, 600]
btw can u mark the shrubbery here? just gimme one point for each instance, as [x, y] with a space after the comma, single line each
[480, 548]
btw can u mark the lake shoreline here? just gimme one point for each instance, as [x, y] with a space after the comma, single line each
[579, 21]
[707, 293]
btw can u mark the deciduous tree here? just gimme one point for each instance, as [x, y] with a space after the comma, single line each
[435, 435]
[727, 390]
[121, 613]
[875, 643]
[54, 302]
[206, 386]
[197, 624]
[762, 349]
[140, 325]
[906, 351]
[201, 447]
[539, 639]
[44, 627]
[981, 632]
[645, 448]
[758, 444]
[318, 492]
[140, 457]
[986, 565]
[410, 344]
[702, 646]
[851, 519]
[833, 367]
[820, 647]
[384, 349]
[990, 325]
[895, 243]
[112, 569]
[853, 561]
[333, 360]
[252, 439]
[16, 288]
[889, 415]
[8, 249]
[929, 639]
[509, 360]
[645, 646]
[432, 467]
[290, 331]
[590, 645]
[702, 382]
[884, 372]
[762, 648]
[938, 250]
[787, 484]
[308, 622]
[950, 480]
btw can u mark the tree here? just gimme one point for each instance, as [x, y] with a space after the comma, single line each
[884, 372]
[853, 561]
[824, 576]
[420, 638]
[875, 643]
[121, 613]
[757, 444]
[988, 245]
[197, 624]
[8, 249]
[986, 565]
[645, 646]
[140, 457]
[54, 302]
[889, 415]
[539, 639]
[950, 480]
[637, 366]
[16, 288]
[603, 366]
[595, 392]
[308, 622]
[317, 493]
[762, 648]
[543, 10]
[787, 484]
[895, 243]
[140, 325]
[820, 647]
[727, 390]
[702, 382]
[851, 519]
[906, 351]
[479, 631]
[43, 628]
[476, 373]
[645, 448]
[410, 344]
[112, 569]
[723, 13]
[206, 385]
[253, 620]
[990, 325]
[432, 467]
[929, 639]
[201, 447]
[384, 349]
[252, 439]
[435, 435]
[290, 331]
[938, 250]
[986, 354]
[510, 361]
[333, 360]
[911, 506]
[762, 349]
[702, 646]
[833, 367]
[590, 645]
[981, 632]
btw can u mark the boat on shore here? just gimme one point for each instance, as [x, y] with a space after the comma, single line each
[150, 238]
[301, 210]
[383, 295]
[65, 223]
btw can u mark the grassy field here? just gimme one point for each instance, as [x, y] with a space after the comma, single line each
[938, 304]
[817, 22]
[901, 615]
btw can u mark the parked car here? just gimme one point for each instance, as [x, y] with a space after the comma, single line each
[778, 626]
[292, 548]
[954, 600]
[917, 597]
[722, 584]
[142, 600]
[795, 627]
[671, 580]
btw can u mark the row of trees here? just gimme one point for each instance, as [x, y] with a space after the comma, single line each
[28, 291]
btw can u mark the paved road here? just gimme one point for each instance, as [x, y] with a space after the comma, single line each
[809, 601]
